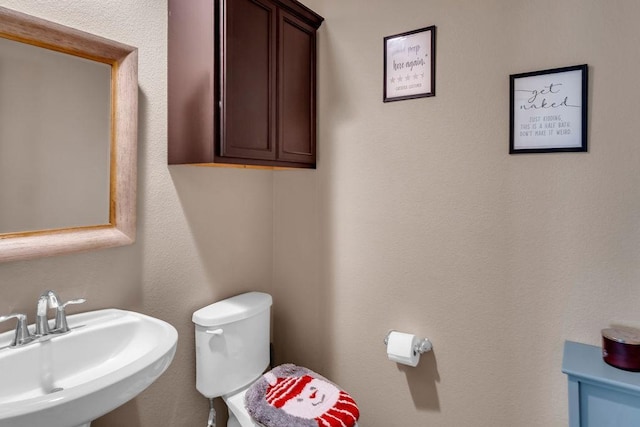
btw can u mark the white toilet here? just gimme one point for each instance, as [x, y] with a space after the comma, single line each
[232, 350]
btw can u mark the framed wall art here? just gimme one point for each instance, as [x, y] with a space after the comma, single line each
[409, 65]
[549, 110]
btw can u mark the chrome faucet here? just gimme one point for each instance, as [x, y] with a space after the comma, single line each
[48, 300]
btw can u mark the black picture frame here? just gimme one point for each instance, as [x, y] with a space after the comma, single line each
[410, 65]
[549, 110]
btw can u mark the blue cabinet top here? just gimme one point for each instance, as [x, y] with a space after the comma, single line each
[584, 362]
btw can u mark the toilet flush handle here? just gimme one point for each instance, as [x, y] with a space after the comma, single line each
[218, 331]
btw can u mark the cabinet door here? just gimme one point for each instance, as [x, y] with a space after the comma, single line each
[248, 109]
[296, 83]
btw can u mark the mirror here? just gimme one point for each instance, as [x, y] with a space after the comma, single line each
[54, 110]
[69, 107]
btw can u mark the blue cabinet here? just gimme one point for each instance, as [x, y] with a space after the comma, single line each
[599, 395]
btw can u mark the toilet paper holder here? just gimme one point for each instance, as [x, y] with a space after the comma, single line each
[421, 347]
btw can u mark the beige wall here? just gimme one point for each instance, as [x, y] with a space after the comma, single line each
[422, 222]
[416, 219]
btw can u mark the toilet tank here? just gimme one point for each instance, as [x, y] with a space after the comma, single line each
[232, 343]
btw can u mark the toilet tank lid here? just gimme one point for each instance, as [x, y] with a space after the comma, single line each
[232, 309]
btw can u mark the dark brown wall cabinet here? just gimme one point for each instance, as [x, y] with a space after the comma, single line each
[242, 82]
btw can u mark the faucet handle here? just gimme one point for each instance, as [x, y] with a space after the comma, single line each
[61, 325]
[73, 301]
[22, 336]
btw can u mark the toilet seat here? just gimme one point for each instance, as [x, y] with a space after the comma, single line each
[235, 403]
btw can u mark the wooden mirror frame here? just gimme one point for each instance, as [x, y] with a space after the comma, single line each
[123, 59]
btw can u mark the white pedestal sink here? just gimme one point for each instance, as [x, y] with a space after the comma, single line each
[107, 358]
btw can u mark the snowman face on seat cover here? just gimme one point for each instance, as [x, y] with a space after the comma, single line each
[316, 398]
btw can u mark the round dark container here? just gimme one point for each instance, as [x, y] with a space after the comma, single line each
[621, 348]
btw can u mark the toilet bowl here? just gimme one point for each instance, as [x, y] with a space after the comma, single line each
[233, 350]
[238, 415]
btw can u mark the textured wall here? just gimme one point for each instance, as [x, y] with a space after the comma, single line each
[425, 224]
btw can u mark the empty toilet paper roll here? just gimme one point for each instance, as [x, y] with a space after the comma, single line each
[401, 348]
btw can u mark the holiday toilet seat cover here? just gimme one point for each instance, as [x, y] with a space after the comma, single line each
[293, 396]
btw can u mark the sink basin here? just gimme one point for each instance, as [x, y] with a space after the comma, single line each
[107, 358]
